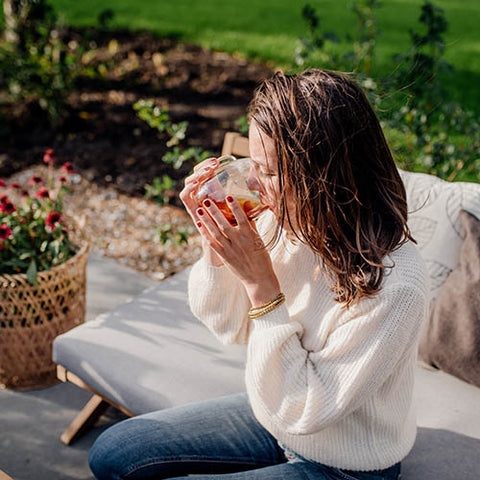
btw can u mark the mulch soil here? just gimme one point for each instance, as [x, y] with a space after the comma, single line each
[103, 137]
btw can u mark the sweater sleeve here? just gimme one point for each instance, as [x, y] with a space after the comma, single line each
[304, 391]
[219, 300]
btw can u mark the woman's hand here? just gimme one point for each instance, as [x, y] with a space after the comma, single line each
[240, 248]
[201, 171]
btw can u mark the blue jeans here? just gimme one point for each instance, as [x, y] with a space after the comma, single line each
[218, 439]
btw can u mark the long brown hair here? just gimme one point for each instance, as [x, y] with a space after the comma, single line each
[332, 155]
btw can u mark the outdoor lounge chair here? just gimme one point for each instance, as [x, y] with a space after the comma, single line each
[151, 353]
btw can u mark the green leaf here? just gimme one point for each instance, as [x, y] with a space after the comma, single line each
[183, 235]
[32, 273]
[15, 263]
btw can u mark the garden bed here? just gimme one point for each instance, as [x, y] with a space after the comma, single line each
[123, 226]
[116, 153]
[103, 137]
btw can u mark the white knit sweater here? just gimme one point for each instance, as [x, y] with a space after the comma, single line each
[333, 385]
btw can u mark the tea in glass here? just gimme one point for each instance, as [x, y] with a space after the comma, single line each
[235, 177]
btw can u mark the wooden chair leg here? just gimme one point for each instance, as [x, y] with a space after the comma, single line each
[4, 476]
[90, 413]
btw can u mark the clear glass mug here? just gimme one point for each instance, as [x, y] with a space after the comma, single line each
[235, 177]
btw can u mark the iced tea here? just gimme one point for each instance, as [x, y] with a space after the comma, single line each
[251, 208]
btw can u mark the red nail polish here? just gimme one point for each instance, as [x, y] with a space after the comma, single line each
[207, 202]
[230, 199]
[199, 224]
[200, 211]
[194, 182]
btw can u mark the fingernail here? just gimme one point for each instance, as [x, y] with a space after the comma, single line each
[194, 182]
[230, 199]
[200, 211]
[207, 203]
[199, 224]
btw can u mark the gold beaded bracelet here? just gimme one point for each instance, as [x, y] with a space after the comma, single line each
[267, 307]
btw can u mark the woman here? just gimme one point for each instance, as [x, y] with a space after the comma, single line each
[327, 289]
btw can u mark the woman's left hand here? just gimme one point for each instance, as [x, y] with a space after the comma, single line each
[241, 249]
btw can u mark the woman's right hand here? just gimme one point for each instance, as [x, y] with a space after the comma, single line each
[201, 171]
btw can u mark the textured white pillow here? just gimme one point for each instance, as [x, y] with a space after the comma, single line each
[433, 207]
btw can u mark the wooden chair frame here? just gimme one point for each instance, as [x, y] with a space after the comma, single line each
[4, 476]
[233, 144]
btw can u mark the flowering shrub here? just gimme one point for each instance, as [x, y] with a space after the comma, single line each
[33, 234]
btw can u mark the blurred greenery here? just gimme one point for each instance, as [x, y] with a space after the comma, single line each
[417, 60]
[268, 30]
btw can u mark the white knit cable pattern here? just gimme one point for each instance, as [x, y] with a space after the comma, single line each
[334, 386]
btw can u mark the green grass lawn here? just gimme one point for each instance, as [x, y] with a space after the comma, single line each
[268, 30]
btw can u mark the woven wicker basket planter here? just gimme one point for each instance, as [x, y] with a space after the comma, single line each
[32, 316]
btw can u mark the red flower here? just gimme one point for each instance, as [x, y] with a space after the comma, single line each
[2, 183]
[52, 219]
[50, 157]
[62, 179]
[3, 199]
[68, 167]
[14, 186]
[36, 180]
[5, 232]
[42, 193]
[7, 206]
